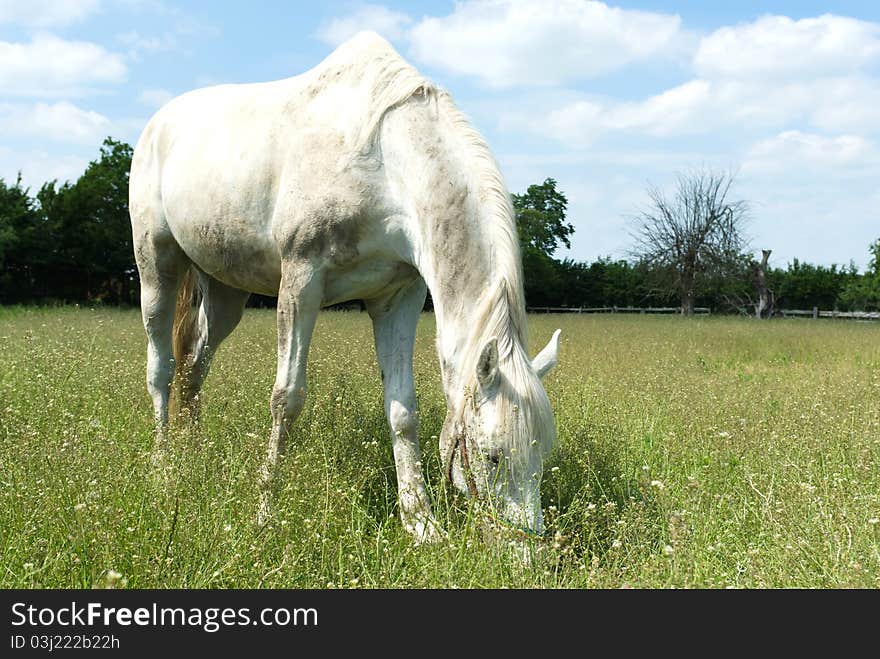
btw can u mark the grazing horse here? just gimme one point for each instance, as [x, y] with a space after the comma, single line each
[358, 179]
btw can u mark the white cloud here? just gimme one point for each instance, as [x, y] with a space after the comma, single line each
[671, 111]
[700, 106]
[390, 24]
[846, 104]
[777, 46]
[38, 166]
[50, 66]
[136, 43]
[577, 123]
[517, 42]
[46, 13]
[155, 98]
[795, 152]
[182, 31]
[57, 121]
[155, 6]
[685, 109]
[771, 74]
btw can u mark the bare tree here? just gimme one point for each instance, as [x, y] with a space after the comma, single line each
[695, 232]
[766, 298]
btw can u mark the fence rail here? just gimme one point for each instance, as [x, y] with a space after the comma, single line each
[814, 313]
[818, 313]
[698, 310]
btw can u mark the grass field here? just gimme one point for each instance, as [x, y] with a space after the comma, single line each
[704, 453]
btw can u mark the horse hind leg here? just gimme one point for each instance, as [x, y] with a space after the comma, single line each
[161, 272]
[161, 265]
[199, 334]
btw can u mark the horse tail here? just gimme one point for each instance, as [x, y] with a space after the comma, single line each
[183, 339]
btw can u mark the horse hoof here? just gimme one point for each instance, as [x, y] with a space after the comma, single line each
[264, 512]
[426, 533]
[160, 470]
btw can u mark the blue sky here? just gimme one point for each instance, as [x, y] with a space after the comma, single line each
[604, 97]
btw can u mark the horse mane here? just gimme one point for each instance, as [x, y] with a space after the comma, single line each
[502, 310]
[501, 315]
[498, 215]
[521, 398]
[392, 81]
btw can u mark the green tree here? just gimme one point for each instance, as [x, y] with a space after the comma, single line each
[604, 283]
[863, 292]
[24, 245]
[14, 204]
[89, 219]
[804, 285]
[540, 218]
[542, 282]
[541, 224]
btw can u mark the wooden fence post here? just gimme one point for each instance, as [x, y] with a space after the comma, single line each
[815, 313]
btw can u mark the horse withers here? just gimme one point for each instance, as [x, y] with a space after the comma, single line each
[358, 179]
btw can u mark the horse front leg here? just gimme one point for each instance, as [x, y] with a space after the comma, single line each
[394, 326]
[299, 301]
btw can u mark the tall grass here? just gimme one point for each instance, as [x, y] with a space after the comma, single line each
[692, 453]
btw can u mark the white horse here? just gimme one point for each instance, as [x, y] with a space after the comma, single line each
[358, 179]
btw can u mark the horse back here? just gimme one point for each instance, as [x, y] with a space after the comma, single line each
[244, 176]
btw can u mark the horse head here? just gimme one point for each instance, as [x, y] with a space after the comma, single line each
[498, 431]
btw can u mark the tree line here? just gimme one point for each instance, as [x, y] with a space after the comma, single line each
[71, 243]
[688, 251]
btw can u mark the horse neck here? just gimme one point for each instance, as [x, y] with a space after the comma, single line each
[465, 269]
[459, 232]
[459, 274]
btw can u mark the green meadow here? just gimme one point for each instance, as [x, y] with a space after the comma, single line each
[692, 453]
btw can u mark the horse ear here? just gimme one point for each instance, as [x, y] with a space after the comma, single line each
[487, 364]
[546, 359]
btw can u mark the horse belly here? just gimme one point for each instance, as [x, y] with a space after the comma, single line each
[370, 279]
[234, 254]
[223, 222]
